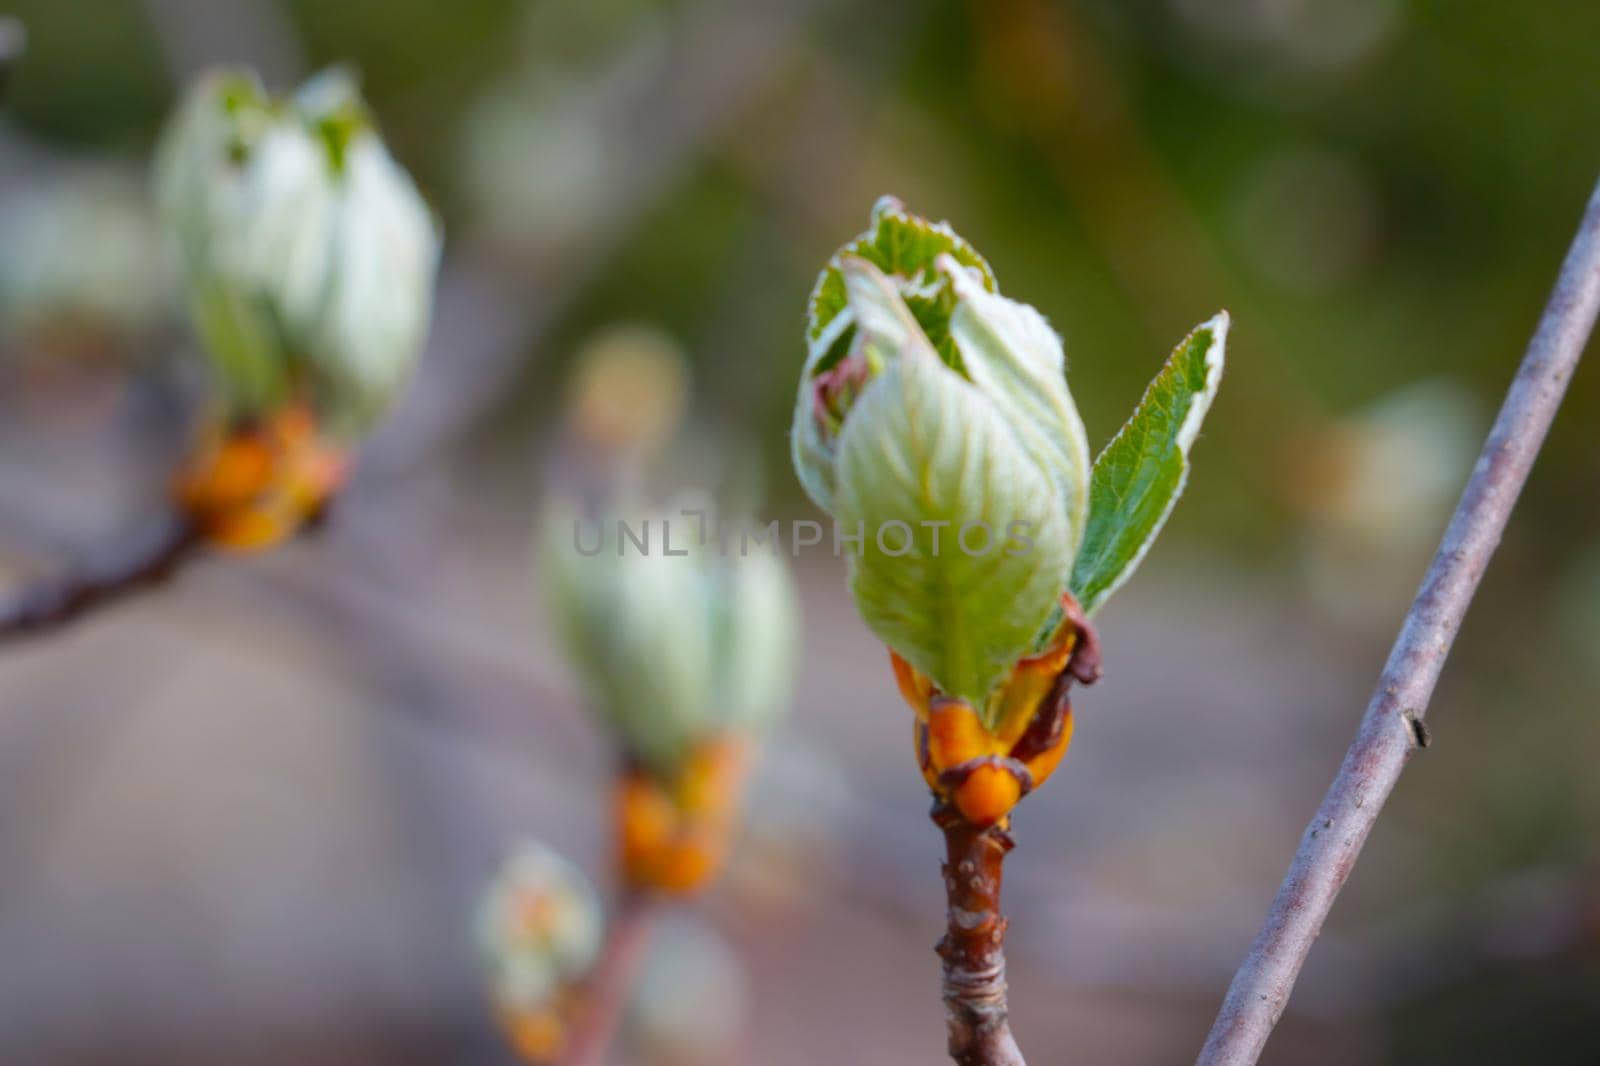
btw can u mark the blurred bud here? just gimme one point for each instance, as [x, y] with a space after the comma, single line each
[539, 931]
[55, 297]
[1374, 488]
[629, 390]
[309, 255]
[934, 417]
[691, 1005]
[253, 486]
[674, 829]
[675, 641]
[685, 652]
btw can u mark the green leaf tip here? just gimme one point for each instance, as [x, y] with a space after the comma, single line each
[1141, 473]
[905, 247]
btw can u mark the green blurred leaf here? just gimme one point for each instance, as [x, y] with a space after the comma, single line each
[1140, 475]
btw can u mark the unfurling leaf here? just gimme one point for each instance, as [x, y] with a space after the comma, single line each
[924, 461]
[1141, 473]
[934, 422]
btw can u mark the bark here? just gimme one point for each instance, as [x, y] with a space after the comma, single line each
[1392, 728]
[973, 948]
[57, 600]
[606, 996]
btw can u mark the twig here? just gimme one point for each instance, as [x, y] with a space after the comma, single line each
[607, 994]
[1392, 729]
[142, 562]
[973, 948]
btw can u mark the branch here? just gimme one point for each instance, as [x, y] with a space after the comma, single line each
[57, 600]
[973, 948]
[606, 995]
[1392, 730]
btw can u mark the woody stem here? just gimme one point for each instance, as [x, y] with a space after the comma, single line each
[57, 600]
[973, 948]
[607, 993]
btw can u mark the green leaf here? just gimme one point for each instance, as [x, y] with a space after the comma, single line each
[1141, 473]
[1010, 352]
[905, 247]
[922, 455]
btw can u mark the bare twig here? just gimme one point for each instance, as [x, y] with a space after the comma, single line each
[138, 563]
[977, 1017]
[606, 995]
[1392, 729]
[973, 948]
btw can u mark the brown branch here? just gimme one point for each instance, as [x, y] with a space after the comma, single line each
[1392, 729]
[973, 948]
[606, 995]
[139, 563]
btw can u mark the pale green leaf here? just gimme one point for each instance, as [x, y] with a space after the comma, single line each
[1140, 475]
[670, 648]
[1010, 352]
[922, 455]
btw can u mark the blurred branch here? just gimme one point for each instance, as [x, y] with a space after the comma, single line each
[1392, 729]
[144, 561]
[605, 998]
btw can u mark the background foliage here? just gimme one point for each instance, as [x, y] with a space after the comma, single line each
[1377, 190]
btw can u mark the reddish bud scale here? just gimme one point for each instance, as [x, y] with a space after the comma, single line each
[537, 1036]
[982, 771]
[251, 487]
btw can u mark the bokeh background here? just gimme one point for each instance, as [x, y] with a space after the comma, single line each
[245, 819]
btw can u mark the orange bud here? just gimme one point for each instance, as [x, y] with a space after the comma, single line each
[673, 836]
[987, 795]
[254, 487]
[646, 822]
[689, 863]
[537, 1036]
[711, 777]
[955, 734]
